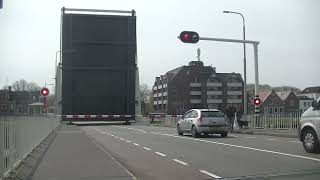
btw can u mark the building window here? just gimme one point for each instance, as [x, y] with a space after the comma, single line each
[270, 110]
[195, 80]
[301, 111]
[309, 104]
[305, 104]
[275, 110]
[265, 110]
[281, 110]
[214, 88]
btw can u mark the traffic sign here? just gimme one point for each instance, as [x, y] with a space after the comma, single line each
[44, 91]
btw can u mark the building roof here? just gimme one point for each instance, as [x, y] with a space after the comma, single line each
[309, 90]
[283, 94]
[171, 74]
[303, 97]
[223, 76]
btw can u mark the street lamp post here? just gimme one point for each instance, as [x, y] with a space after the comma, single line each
[245, 104]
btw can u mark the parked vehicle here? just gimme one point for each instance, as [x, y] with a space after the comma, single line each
[309, 131]
[206, 121]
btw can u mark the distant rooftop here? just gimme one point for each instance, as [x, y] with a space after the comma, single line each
[309, 90]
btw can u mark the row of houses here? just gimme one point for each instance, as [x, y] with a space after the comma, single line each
[281, 102]
[199, 86]
[24, 102]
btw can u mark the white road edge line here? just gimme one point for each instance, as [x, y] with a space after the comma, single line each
[210, 174]
[251, 137]
[123, 167]
[243, 147]
[148, 149]
[102, 132]
[160, 154]
[132, 129]
[128, 141]
[272, 139]
[136, 144]
[181, 162]
[122, 139]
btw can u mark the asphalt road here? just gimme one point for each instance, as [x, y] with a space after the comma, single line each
[150, 152]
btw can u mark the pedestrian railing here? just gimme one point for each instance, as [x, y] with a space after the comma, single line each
[19, 135]
[288, 121]
[274, 121]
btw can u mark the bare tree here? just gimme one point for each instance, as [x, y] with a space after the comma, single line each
[20, 85]
[32, 86]
[145, 92]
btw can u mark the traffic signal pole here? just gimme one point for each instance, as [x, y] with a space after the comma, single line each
[255, 47]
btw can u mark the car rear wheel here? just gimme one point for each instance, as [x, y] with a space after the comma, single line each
[194, 132]
[179, 130]
[310, 141]
[224, 134]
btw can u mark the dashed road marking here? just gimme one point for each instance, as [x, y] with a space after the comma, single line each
[136, 144]
[272, 139]
[180, 162]
[133, 129]
[128, 141]
[251, 137]
[122, 139]
[102, 132]
[233, 136]
[210, 174]
[243, 147]
[148, 149]
[160, 154]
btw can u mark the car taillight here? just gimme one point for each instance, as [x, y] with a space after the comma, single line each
[200, 119]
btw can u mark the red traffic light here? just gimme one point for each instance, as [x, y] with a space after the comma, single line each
[189, 37]
[257, 101]
[44, 91]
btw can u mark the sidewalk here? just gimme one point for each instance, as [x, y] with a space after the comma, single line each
[73, 156]
[269, 132]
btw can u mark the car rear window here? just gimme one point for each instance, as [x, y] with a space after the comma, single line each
[212, 114]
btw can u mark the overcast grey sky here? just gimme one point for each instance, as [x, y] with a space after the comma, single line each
[288, 31]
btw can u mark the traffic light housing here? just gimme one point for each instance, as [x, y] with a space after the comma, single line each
[257, 102]
[189, 37]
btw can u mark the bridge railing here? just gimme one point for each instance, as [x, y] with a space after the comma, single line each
[19, 135]
[288, 121]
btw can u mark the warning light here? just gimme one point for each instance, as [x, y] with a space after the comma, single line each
[257, 101]
[44, 91]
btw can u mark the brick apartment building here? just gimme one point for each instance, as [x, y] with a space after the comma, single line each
[197, 86]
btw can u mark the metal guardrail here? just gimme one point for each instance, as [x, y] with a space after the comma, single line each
[19, 135]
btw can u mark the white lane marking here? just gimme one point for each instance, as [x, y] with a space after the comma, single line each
[272, 139]
[102, 132]
[122, 139]
[160, 154]
[243, 147]
[295, 142]
[128, 141]
[133, 129]
[233, 136]
[116, 161]
[136, 144]
[148, 149]
[181, 162]
[210, 174]
[69, 132]
[251, 137]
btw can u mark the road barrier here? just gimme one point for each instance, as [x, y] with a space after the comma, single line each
[19, 135]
